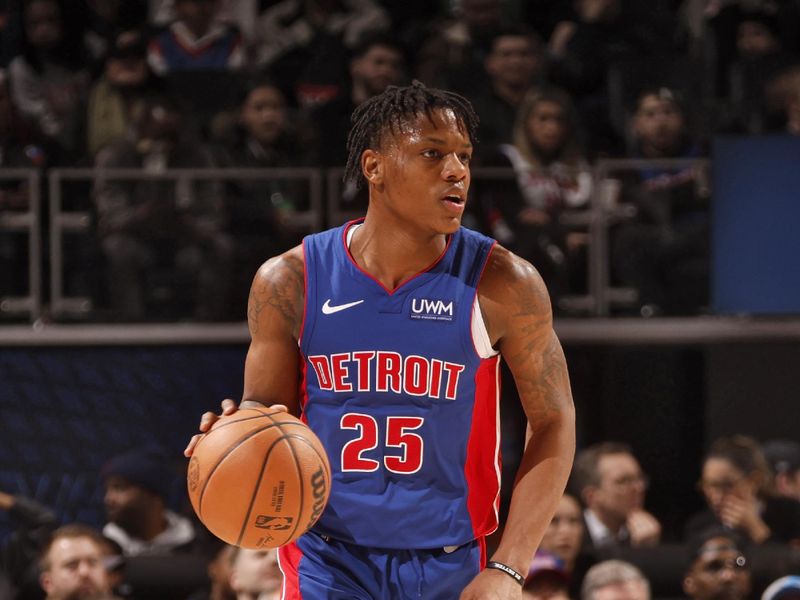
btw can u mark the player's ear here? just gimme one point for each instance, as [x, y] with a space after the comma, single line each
[372, 166]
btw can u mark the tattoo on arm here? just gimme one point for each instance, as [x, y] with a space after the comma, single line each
[280, 286]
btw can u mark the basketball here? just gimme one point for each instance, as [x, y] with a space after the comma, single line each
[259, 478]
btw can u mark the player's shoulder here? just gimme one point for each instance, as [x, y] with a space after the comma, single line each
[511, 286]
[282, 267]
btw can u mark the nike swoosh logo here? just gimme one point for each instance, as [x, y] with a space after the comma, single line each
[327, 309]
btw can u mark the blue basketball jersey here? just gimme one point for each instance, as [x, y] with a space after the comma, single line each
[404, 404]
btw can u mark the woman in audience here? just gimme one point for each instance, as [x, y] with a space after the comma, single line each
[736, 483]
[552, 176]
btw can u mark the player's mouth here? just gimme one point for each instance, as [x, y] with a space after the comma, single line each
[454, 202]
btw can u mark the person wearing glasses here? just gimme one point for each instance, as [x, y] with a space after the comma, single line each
[737, 485]
[718, 567]
[609, 480]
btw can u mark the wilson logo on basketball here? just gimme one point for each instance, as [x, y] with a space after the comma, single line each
[273, 523]
[193, 476]
[320, 491]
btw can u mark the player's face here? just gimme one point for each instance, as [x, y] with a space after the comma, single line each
[423, 173]
[264, 114]
[622, 484]
[719, 573]
[76, 571]
[564, 535]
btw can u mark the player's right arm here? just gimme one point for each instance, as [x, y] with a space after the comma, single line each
[274, 318]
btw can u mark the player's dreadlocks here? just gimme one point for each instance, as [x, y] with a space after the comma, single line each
[392, 109]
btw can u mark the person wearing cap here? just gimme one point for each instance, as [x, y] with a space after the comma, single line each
[784, 460]
[136, 490]
[718, 567]
[548, 578]
[783, 588]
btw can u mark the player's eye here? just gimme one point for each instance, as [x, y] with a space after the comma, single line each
[431, 153]
[465, 158]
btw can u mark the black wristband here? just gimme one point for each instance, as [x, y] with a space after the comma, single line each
[492, 564]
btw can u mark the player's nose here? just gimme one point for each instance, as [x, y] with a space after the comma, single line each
[453, 168]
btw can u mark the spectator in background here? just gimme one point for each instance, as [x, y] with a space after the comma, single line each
[514, 65]
[255, 574]
[453, 53]
[605, 32]
[718, 567]
[32, 526]
[136, 491]
[664, 253]
[783, 457]
[552, 177]
[610, 481]
[220, 568]
[117, 98]
[793, 110]
[73, 565]
[48, 79]
[376, 63]
[259, 211]
[196, 40]
[615, 580]
[547, 579]
[149, 224]
[564, 540]
[304, 43]
[737, 486]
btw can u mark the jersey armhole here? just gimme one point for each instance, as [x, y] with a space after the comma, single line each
[480, 335]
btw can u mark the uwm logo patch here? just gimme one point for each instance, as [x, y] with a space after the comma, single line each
[432, 309]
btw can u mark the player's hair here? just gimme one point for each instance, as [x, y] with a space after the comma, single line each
[395, 107]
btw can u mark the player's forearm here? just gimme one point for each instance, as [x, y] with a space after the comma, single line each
[541, 479]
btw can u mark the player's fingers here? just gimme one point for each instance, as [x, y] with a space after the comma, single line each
[282, 407]
[207, 420]
[229, 406]
[192, 443]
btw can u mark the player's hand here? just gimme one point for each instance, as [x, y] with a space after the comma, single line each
[228, 407]
[644, 528]
[491, 584]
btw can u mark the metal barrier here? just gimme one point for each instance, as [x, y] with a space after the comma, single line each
[80, 221]
[28, 221]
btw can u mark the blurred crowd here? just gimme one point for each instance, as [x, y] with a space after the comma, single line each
[602, 543]
[157, 85]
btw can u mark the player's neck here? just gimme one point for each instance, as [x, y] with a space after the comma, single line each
[391, 253]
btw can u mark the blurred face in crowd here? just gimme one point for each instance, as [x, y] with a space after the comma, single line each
[754, 39]
[126, 66]
[547, 127]
[721, 479]
[160, 129]
[659, 126]
[198, 15]
[564, 535]
[378, 68]
[481, 15]
[591, 11]
[43, 24]
[720, 572]
[545, 586]
[128, 505]
[263, 114]
[75, 570]
[514, 61]
[633, 589]
[256, 572]
[621, 487]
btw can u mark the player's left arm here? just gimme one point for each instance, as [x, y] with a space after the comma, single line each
[518, 316]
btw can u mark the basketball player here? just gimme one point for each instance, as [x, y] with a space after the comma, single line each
[394, 326]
